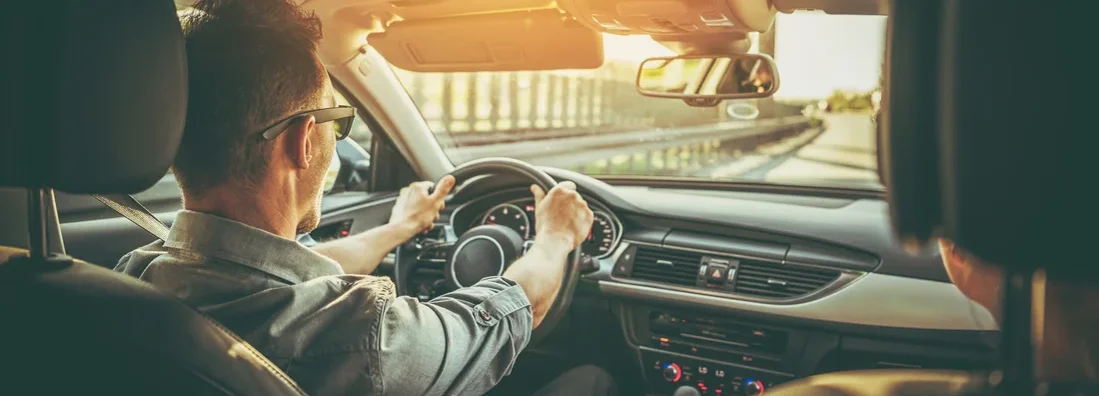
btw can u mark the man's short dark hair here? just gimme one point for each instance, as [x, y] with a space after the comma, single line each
[250, 62]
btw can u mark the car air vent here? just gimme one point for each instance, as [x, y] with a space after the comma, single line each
[779, 281]
[667, 266]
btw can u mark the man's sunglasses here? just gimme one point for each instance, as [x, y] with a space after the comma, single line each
[343, 116]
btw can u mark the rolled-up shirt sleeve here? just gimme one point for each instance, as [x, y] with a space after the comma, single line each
[461, 343]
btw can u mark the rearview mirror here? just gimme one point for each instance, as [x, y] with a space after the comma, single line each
[740, 76]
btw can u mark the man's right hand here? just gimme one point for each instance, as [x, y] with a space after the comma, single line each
[562, 217]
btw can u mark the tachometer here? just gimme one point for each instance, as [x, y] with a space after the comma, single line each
[601, 238]
[510, 216]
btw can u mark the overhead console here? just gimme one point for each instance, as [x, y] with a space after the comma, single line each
[746, 269]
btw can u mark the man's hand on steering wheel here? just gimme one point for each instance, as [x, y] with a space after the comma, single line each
[546, 270]
[418, 207]
[561, 216]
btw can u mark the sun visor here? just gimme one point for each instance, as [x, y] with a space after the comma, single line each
[512, 41]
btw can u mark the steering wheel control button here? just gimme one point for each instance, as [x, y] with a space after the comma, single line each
[588, 264]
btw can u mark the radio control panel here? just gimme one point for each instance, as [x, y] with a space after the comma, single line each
[667, 372]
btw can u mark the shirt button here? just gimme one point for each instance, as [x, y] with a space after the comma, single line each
[484, 315]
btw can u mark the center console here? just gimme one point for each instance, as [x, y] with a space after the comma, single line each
[714, 356]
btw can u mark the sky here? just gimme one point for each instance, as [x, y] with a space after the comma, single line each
[816, 53]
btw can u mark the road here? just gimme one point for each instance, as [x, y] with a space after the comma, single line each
[846, 150]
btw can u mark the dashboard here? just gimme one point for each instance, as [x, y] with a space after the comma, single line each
[737, 291]
[732, 293]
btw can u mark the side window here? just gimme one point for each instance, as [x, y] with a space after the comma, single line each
[360, 132]
[353, 154]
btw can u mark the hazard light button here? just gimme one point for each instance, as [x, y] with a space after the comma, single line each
[716, 274]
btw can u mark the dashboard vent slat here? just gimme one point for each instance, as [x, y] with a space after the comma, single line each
[666, 266]
[780, 281]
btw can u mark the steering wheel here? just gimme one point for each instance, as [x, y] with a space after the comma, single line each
[487, 250]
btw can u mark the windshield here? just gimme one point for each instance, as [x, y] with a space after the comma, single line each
[816, 130]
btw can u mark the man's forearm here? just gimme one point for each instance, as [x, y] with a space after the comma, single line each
[539, 273]
[361, 254]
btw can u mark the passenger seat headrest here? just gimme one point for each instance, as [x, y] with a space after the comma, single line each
[990, 140]
[99, 92]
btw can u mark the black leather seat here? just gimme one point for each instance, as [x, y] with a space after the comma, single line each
[100, 91]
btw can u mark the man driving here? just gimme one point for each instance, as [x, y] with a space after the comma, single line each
[262, 125]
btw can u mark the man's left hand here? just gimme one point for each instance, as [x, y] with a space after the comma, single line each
[418, 207]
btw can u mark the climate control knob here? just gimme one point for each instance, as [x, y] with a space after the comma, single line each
[672, 372]
[753, 388]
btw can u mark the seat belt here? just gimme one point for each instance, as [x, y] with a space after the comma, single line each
[127, 206]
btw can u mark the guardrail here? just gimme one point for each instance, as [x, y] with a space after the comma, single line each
[575, 151]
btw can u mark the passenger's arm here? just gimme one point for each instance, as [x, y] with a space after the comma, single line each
[415, 211]
[563, 220]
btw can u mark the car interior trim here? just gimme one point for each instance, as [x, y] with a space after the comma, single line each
[871, 300]
[845, 278]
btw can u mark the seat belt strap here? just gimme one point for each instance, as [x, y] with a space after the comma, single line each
[129, 208]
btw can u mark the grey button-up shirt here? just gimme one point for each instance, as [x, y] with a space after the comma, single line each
[334, 333]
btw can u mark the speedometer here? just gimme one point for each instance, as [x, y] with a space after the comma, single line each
[601, 238]
[510, 216]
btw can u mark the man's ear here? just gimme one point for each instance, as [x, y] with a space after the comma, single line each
[299, 143]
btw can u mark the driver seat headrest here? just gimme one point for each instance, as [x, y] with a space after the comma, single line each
[99, 96]
[101, 92]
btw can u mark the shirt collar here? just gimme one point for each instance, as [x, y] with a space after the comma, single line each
[221, 238]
